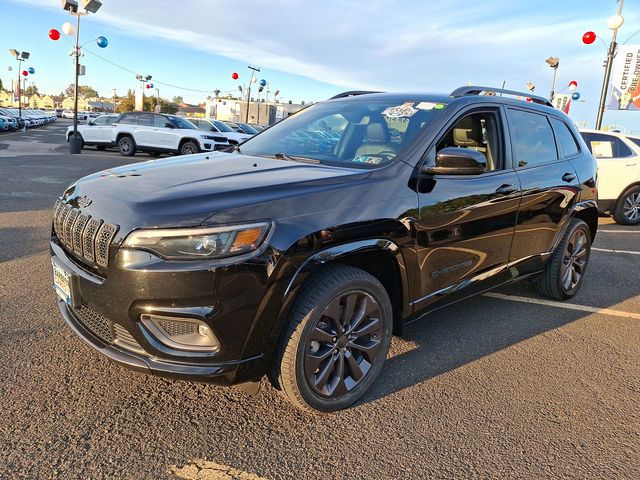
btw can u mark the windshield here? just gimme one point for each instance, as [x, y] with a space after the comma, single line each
[182, 123]
[354, 133]
[247, 128]
[223, 127]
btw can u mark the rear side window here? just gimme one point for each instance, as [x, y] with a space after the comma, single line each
[129, 119]
[602, 145]
[159, 121]
[532, 138]
[566, 140]
[146, 120]
[635, 140]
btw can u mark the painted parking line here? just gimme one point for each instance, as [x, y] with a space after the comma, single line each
[618, 231]
[613, 250]
[205, 470]
[566, 306]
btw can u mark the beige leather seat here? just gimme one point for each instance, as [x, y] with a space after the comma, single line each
[468, 134]
[377, 141]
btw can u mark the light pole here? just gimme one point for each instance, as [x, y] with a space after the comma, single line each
[553, 62]
[613, 23]
[71, 6]
[253, 71]
[21, 57]
[143, 79]
[114, 100]
[157, 100]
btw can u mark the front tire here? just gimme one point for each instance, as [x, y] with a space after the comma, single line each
[127, 147]
[565, 272]
[627, 211]
[189, 148]
[337, 340]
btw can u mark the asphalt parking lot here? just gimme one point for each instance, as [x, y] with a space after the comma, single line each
[504, 385]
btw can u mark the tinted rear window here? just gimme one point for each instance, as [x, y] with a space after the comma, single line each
[532, 138]
[566, 140]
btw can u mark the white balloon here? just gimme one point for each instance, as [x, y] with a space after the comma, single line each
[572, 87]
[67, 28]
[615, 22]
[254, 80]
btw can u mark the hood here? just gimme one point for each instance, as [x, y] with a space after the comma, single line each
[185, 191]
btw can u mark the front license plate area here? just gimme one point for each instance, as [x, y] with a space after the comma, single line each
[62, 281]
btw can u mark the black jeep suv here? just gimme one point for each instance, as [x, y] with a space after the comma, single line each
[298, 256]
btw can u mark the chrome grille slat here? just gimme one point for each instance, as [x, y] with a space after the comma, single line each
[82, 234]
[78, 230]
[88, 238]
[69, 222]
[102, 242]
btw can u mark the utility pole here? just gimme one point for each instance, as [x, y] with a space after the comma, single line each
[613, 47]
[253, 71]
[114, 100]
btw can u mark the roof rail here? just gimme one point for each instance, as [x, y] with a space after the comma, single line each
[351, 93]
[477, 90]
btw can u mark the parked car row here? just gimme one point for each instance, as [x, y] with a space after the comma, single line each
[82, 116]
[13, 119]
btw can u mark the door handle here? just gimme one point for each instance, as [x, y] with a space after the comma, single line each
[631, 164]
[506, 189]
[568, 177]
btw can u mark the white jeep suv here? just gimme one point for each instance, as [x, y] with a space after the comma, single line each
[156, 133]
[618, 158]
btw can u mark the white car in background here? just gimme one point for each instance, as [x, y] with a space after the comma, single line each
[234, 138]
[96, 132]
[618, 158]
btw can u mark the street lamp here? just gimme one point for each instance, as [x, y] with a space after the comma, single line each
[143, 79]
[71, 6]
[20, 57]
[613, 23]
[253, 71]
[553, 62]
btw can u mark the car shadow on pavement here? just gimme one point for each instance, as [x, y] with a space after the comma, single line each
[460, 334]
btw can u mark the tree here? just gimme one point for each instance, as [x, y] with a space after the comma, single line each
[178, 99]
[31, 90]
[83, 91]
[128, 103]
[0, 84]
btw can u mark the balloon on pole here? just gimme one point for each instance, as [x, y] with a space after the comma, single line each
[573, 85]
[25, 73]
[31, 70]
[102, 41]
[67, 28]
[588, 38]
[575, 96]
[263, 82]
[235, 75]
[54, 34]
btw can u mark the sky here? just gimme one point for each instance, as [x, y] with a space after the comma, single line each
[313, 50]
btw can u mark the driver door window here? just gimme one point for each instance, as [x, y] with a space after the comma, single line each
[477, 131]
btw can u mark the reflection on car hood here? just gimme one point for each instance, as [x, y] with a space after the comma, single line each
[186, 190]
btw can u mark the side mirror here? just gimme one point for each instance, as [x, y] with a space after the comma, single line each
[457, 161]
[169, 125]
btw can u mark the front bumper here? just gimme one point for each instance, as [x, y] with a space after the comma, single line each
[226, 299]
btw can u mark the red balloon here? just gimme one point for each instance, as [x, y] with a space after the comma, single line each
[235, 75]
[54, 34]
[25, 73]
[588, 38]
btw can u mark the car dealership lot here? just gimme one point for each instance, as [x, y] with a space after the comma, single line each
[502, 385]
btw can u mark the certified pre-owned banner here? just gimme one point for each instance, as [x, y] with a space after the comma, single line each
[625, 80]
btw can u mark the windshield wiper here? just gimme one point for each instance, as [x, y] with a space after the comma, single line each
[284, 156]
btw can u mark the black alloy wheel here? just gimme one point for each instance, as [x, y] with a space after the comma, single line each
[574, 260]
[344, 344]
[337, 339]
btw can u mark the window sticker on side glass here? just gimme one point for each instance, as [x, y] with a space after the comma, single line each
[404, 110]
[602, 149]
[368, 159]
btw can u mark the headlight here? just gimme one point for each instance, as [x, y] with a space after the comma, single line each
[208, 137]
[201, 242]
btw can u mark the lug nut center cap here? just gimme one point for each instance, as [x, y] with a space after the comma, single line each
[342, 341]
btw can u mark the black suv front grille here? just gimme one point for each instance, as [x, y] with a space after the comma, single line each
[82, 234]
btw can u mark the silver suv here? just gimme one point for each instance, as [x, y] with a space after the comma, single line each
[156, 133]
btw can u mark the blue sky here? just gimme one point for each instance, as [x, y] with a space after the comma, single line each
[312, 50]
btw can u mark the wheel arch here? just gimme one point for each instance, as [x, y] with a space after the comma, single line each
[187, 139]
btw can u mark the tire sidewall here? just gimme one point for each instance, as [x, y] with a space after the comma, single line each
[580, 225]
[184, 147]
[315, 400]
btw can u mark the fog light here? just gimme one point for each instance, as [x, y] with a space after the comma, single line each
[181, 333]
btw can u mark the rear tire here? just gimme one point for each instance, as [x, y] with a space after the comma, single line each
[337, 340]
[189, 147]
[627, 211]
[565, 271]
[126, 146]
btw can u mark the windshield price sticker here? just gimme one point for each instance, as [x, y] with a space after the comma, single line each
[368, 159]
[404, 110]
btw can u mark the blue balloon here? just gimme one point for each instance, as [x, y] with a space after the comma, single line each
[32, 70]
[102, 42]
[575, 96]
[263, 82]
